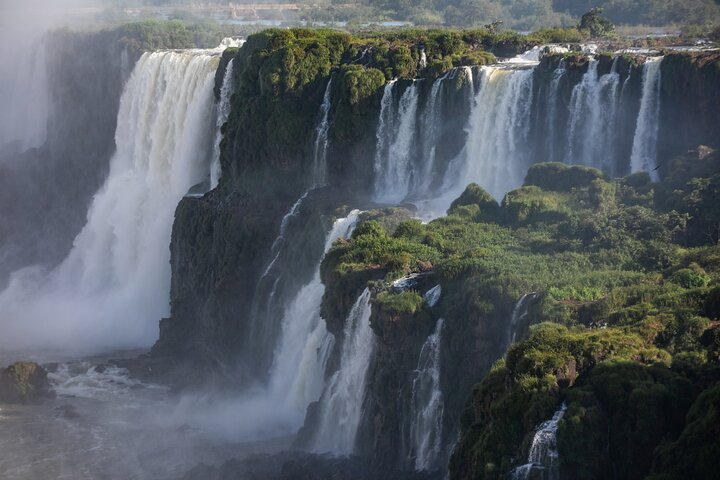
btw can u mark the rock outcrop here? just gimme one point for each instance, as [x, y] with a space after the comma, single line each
[24, 382]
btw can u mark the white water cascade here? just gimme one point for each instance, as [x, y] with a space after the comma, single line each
[426, 405]
[223, 112]
[543, 456]
[495, 155]
[342, 401]
[297, 376]
[558, 75]
[394, 151]
[644, 150]
[519, 314]
[24, 89]
[593, 115]
[429, 132]
[321, 137]
[114, 285]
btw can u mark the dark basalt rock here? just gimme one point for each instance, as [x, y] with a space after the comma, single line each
[24, 382]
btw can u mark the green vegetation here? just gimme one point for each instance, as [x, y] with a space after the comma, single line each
[518, 14]
[596, 25]
[281, 75]
[625, 330]
[148, 35]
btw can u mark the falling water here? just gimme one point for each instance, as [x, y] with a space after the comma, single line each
[495, 155]
[24, 89]
[394, 152]
[114, 285]
[296, 376]
[223, 112]
[264, 304]
[543, 456]
[644, 150]
[591, 125]
[519, 315]
[426, 404]
[342, 401]
[431, 120]
[298, 371]
[321, 137]
[550, 132]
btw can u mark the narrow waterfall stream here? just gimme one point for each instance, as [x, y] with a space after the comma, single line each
[342, 401]
[394, 164]
[519, 314]
[543, 458]
[644, 150]
[223, 112]
[426, 404]
[321, 137]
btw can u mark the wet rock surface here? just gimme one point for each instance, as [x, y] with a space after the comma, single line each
[24, 382]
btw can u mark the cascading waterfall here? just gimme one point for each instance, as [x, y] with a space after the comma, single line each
[264, 305]
[519, 314]
[431, 121]
[394, 166]
[114, 285]
[223, 112]
[297, 376]
[593, 113]
[543, 456]
[509, 127]
[495, 155]
[321, 137]
[558, 75]
[644, 150]
[342, 401]
[24, 90]
[426, 405]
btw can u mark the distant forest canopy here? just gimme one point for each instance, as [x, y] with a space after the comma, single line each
[517, 14]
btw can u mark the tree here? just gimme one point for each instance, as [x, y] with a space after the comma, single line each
[595, 24]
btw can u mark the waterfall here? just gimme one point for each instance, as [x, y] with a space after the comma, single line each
[550, 133]
[223, 112]
[543, 456]
[24, 89]
[264, 305]
[298, 371]
[432, 296]
[341, 403]
[495, 155]
[519, 314]
[296, 377]
[321, 138]
[394, 152]
[644, 149]
[114, 285]
[426, 405]
[431, 119]
[591, 124]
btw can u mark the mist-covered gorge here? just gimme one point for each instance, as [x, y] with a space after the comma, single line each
[304, 299]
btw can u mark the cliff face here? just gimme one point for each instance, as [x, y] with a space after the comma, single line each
[569, 235]
[267, 157]
[689, 102]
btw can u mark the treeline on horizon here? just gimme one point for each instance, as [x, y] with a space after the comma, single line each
[518, 14]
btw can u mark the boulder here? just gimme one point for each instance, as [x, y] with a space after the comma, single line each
[24, 382]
